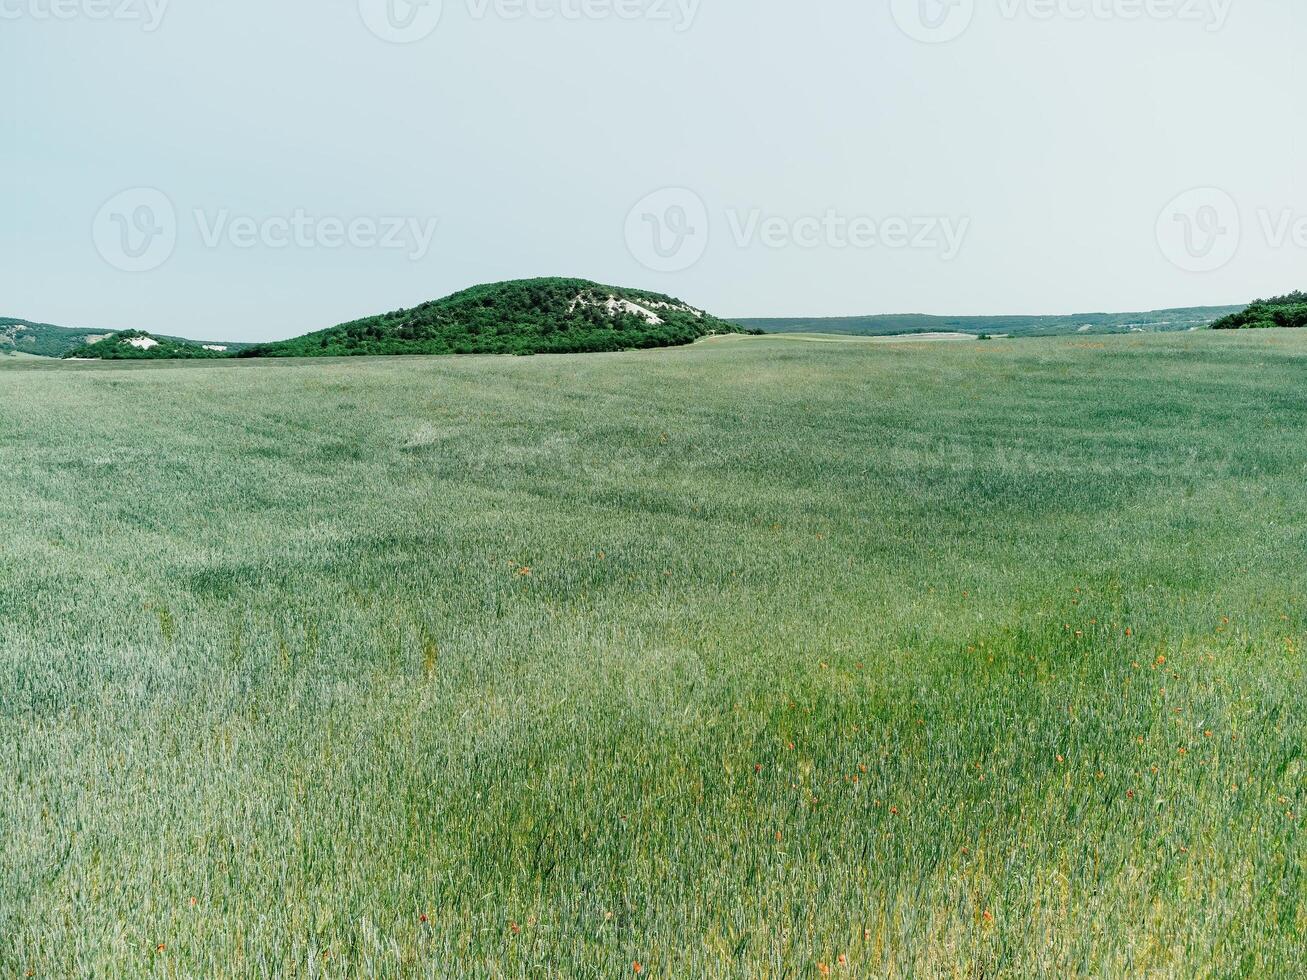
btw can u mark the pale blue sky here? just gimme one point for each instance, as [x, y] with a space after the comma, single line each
[1050, 137]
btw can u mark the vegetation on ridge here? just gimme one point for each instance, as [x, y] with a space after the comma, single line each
[43, 339]
[525, 316]
[137, 345]
[1280, 311]
[48, 340]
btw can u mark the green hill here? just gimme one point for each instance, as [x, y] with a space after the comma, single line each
[43, 339]
[136, 345]
[48, 340]
[526, 316]
[1280, 311]
[1157, 321]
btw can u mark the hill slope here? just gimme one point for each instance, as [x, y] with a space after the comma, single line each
[136, 345]
[48, 340]
[525, 316]
[1014, 326]
[1279, 311]
[43, 339]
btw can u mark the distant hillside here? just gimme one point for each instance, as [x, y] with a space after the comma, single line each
[48, 340]
[135, 345]
[1280, 311]
[43, 339]
[1013, 326]
[526, 316]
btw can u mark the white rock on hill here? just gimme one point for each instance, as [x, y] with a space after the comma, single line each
[613, 306]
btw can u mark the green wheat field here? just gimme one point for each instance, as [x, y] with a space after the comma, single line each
[758, 658]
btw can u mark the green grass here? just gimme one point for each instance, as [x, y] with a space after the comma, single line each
[882, 651]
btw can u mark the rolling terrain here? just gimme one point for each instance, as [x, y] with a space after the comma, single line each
[136, 345]
[42, 339]
[47, 340]
[535, 316]
[1009, 326]
[755, 658]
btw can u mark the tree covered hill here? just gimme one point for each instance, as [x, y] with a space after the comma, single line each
[136, 345]
[1280, 311]
[48, 340]
[525, 316]
[43, 339]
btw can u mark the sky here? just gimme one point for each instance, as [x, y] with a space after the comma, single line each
[249, 170]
